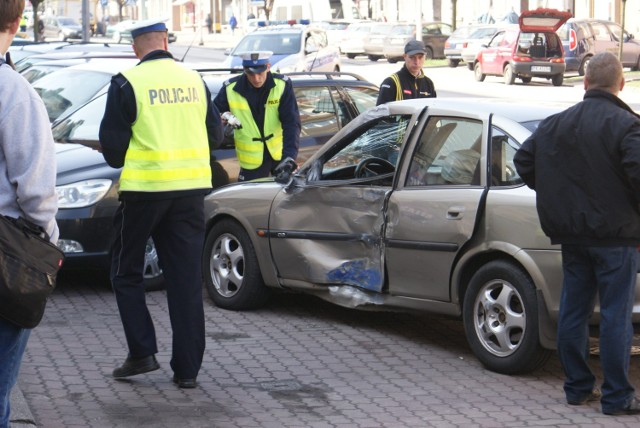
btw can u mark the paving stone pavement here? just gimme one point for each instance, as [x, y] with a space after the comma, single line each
[299, 362]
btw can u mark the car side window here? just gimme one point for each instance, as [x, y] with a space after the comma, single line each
[503, 149]
[318, 113]
[382, 140]
[448, 153]
[362, 98]
[600, 32]
[497, 40]
[615, 30]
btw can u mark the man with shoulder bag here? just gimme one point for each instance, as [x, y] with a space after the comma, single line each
[27, 180]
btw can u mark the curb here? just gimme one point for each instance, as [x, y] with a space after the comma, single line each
[21, 416]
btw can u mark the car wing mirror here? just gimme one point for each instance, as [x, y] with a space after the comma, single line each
[227, 51]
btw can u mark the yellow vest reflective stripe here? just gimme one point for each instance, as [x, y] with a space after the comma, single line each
[169, 148]
[249, 147]
[396, 80]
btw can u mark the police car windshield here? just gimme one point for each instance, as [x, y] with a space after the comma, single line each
[279, 44]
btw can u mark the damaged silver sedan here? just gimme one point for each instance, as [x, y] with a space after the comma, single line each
[414, 205]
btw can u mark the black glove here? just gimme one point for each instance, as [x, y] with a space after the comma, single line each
[282, 172]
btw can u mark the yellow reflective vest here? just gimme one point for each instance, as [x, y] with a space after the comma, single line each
[169, 147]
[248, 141]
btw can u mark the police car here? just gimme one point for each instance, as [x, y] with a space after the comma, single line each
[296, 47]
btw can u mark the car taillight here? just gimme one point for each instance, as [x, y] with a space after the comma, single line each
[573, 40]
[447, 45]
[522, 59]
[464, 45]
[557, 60]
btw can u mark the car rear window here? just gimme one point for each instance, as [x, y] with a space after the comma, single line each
[279, 44]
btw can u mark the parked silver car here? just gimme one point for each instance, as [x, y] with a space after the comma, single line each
[415, 205]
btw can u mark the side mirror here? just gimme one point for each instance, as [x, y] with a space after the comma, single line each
[227, 51]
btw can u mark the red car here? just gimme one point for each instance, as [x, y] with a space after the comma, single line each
[530, 49]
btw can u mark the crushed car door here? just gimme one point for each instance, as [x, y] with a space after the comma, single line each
[328, 231]
[433, 212]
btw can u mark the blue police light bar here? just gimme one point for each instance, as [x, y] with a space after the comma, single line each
[284, 22]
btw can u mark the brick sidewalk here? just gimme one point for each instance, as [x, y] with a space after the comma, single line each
[299, 362]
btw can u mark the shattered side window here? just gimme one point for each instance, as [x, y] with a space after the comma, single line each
[382, 140]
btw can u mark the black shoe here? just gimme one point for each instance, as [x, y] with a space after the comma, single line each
[594, 395]
[633, 408]
[184, 383]
[136, 366]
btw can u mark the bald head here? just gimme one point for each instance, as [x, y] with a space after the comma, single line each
[604, 72]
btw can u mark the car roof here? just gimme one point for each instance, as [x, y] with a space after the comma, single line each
[63, 55]
[107, 65]
[512, 109]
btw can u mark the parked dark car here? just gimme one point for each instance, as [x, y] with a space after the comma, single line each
[530, 49]
[583, 38]
[87, 186]
[434, 36]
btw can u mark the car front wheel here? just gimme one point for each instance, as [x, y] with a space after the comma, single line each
[453, 63]
[477, 72]
[501, 319]
[230, 267]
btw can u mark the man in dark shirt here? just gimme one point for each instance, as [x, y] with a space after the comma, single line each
[410, 82]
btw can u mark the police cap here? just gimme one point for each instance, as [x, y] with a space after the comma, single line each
[147, 26]
[255, 62]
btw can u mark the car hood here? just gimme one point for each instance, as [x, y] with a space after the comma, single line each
[543, 20]
[76, 162]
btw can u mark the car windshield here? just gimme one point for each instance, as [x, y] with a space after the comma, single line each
[84, 124]
[39, 71]
[402, 30]
[279, 44]
[67, 21]
[62, 94]
[482, 33]
[381, 29]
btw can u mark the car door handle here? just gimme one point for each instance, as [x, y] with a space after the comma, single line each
[455, 213]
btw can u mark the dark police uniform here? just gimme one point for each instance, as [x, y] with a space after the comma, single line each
[410, 87]
[256, 98]
[163, 184]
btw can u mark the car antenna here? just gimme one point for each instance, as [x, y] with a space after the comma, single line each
[187, 51]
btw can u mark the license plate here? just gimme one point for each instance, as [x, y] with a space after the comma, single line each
[541, 68]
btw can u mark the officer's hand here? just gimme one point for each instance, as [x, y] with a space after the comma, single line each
[284, 169]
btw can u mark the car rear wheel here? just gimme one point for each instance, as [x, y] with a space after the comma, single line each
[500, 316]
[557, 79]
[374, 57]
[470, 66]
[230, 267]
[351, 56]
[453, 63]
[583, 65]
[392, 60]
[637, 66]
[509, 77]
[477, 72]
[428, 54]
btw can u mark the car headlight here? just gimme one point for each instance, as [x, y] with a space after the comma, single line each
[83, 193]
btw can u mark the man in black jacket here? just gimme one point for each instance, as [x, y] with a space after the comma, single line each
[410, 82]
[584, 164]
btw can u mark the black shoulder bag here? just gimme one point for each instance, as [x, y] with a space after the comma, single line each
[29, 264]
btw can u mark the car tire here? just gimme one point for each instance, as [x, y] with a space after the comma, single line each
[392, 60]
[583, 65]
[373, 58]
[509, 76]
[428, 54]
[453, 63]
[470, 66]
[500, 314]
[477, 72]
[637, 66]
[526, 79]
[152, 272]
[230, 266]
[557, 79]
[351, 56]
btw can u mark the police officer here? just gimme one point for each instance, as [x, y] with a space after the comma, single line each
[410, 81]
[266, 107]
[160, 126]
